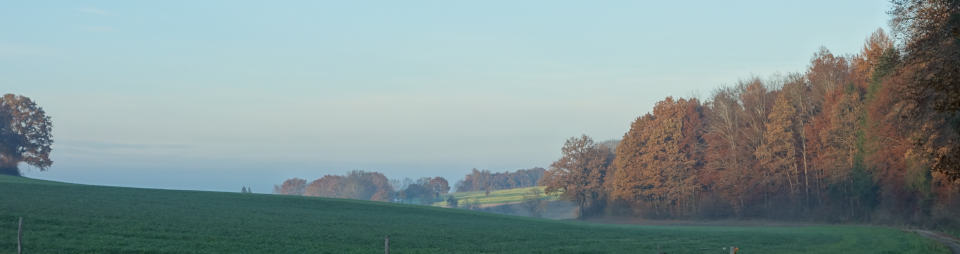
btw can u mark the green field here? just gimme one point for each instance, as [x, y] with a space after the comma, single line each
[69, 218]
[496, 197]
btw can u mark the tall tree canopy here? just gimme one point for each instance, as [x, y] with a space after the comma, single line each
[659, 159]
[930, 30]
[579, 174]
[873, 136]
[25, 134]
[777, 153]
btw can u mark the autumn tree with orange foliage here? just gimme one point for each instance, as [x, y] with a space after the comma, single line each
[853, 138]
[659, 159]
[580, 173]
[725, 174]
[355, 185]
[777, 153]
[931, 79]
[292, 186]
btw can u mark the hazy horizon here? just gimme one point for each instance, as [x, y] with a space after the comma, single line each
[219, 95]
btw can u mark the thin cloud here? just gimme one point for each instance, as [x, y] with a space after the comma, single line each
[94, 11]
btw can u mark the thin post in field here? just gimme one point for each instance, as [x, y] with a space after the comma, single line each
[386, 245]
[19, 236]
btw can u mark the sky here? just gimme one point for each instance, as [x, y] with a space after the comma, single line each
[215, 95]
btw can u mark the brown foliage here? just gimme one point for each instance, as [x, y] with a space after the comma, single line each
[355, 185]
[25, 134]
[777, 154]
[931, 33]
[439, 185]
[869, 136]
[659, 159]
[292, 186]
[727, 158]
[580, 174]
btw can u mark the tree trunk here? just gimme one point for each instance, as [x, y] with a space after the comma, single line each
[20, 236]
[803, 150]
[8, 166]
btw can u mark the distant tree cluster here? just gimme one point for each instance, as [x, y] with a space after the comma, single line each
[365, 185]
[868, 137]
[25, 135]
[355, 185]
[425, 190]
[484, 180]
[292, 186]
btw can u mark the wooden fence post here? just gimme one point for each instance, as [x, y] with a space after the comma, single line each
[19, 235]
[386, 245]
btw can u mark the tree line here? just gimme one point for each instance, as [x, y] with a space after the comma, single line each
[484, 180]
[872, 136]
[375, 186]
[365, 185]
[425, 190]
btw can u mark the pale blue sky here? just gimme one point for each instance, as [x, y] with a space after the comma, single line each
[213, 95]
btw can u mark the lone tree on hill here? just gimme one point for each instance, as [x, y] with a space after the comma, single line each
[24, 134]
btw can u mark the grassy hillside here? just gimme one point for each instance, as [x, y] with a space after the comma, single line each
[68, 218]
[496, 197]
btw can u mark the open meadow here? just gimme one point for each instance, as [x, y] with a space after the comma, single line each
[497, 197]
[71, 218]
